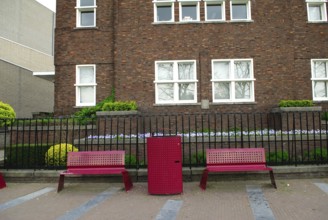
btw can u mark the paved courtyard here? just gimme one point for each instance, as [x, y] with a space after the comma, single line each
[294, 199]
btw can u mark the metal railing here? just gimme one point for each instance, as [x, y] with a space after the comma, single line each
[291, 138]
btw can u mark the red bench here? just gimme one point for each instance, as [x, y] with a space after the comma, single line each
[96, 163]
[235, 160]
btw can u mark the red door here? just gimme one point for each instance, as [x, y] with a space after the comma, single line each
[164, 156]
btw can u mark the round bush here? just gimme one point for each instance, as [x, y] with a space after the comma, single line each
[57, 154]
[7, 114]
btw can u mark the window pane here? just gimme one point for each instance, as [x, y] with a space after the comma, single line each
[320, 89]
[315, 13]
[87, 18]
[239, 11]
[242, 70]
[164, 13]
[186, 91]
[320, 70]
[166, 92]
[87, 94]
[87, 3]
[186, 71]
[243, 90]
[189, 12]
[221, 70]
[165, 71]
[222, 90]
[214, 12]
[86, 75]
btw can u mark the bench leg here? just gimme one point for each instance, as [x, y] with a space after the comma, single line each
[127, 180]
[2, 182]
[60, 183]
[273, 182]
[203, 181]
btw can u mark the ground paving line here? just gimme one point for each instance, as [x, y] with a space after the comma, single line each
[170, 210]
[84, 208]
[25, 198]
[260, 207]
[322, 186]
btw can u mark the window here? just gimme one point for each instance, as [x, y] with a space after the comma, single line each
[320, 79]
[175, 82]
[316, 10]
[233, 80]
[163, 10]
[214, 10]
[189, 10]
[86, 13]
[85, 85]
[240, 10]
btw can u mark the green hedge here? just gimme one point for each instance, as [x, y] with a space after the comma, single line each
[25, 156]
[120, 106]
[296, 103]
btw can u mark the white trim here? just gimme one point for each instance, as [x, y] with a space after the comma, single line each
[80, 9]
[323, 9]
[248, 9]
[175, 81]
[212, 2]
[51, 73]
[318, 79]
[164, 3]
[232, 81]
[189, 2]
[78, 85]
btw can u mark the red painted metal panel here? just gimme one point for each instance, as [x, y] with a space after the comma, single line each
[164, 156]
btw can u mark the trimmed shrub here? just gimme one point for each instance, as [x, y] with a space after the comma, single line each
[198, 158]
[7, 113]
[279, 156]
[296, 103]
[317, 154]
[87, 114]
[24, 156]
[120, 106]
[57, 154]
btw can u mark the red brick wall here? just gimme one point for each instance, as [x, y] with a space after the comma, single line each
[279, 40]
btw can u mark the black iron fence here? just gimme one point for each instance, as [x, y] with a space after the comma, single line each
[290, 138]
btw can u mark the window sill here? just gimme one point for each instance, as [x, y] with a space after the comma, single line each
[234, 103]
[202, 22]
[86, 28]
[176, 104]
[317, 22]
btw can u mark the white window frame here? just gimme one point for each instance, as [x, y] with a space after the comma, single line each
[233, 81]
[322, 79]
[79, 85]
[163, 3]
[80, 9]
[211, 2]
[189, 2]
[248, 8]
[323, 9]
[175, 82]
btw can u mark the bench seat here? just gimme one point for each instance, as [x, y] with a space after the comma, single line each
[235, 160]
[96, 163]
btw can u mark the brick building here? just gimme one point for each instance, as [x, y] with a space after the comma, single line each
[191, 55]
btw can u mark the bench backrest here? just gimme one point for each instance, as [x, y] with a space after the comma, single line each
[95, 159]
[235, 156]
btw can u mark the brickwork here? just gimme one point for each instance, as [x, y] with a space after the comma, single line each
[126, 44]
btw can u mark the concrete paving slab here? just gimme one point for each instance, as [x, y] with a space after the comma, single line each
[299, 199]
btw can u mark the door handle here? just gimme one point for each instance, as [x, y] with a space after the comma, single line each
[177, 161]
